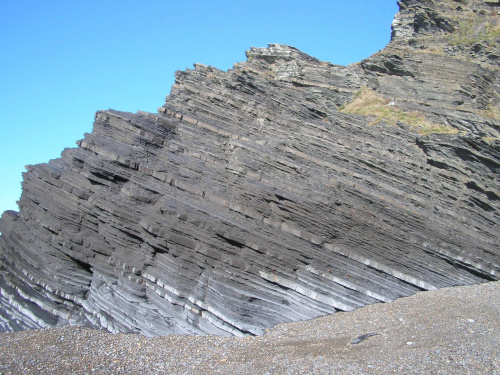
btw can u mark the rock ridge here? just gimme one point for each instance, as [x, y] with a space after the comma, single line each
[258, 195]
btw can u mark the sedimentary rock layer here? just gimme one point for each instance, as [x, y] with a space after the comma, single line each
[254, 196]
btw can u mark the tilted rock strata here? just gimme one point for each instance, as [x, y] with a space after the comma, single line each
[250, 199]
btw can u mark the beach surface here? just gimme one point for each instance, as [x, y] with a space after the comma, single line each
[447, 331]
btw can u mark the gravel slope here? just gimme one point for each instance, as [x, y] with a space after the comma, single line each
[449, 331]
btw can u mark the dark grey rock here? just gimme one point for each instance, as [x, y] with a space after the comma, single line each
[362, 338]
[251, 200]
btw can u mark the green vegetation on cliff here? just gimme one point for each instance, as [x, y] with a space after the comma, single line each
[367, 102]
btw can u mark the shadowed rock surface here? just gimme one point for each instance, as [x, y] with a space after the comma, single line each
[284, 189]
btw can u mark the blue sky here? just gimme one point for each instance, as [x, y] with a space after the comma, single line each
[61, 60]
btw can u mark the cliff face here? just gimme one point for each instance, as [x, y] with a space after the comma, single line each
[283, 189]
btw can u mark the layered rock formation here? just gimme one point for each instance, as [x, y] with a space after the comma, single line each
[272, 192]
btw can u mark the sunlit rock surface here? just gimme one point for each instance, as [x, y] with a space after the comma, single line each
[258, 195]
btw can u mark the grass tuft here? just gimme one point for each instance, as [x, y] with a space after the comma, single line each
[476, 29]
[367, 102]
[492, 112]
[491, 139]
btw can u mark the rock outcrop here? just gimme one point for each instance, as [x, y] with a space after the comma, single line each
[283, 189]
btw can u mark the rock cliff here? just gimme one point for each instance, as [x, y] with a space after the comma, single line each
[283, 189]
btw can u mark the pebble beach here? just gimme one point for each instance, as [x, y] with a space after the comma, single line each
[448, 331]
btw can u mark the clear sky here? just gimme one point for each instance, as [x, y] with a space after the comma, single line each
[61, 60]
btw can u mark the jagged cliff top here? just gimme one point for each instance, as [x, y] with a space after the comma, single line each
[433, 69]
[456, 28]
